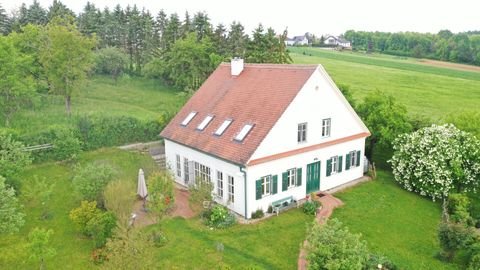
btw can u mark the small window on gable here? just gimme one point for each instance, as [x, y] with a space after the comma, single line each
[243, 133]
[223, 127]
[188, 118]
[205, 122]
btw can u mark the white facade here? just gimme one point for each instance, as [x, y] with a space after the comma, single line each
[280, 150]
[331, 40]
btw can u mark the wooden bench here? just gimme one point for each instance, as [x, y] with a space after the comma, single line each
[281, 204]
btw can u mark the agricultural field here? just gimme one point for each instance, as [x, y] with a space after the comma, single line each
[425, 89]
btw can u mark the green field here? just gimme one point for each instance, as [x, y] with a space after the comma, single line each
[132, 96]
[426, 90]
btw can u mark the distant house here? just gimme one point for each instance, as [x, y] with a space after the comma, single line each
[297, 41]
[266, 134]
[337, 41]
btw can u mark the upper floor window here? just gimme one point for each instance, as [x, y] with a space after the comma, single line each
[302, 132]
[223, 127]
[205, 122]
[188, 118]
[326, 126]
[243, 133]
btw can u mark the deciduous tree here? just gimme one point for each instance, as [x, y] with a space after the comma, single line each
[11, 218]
[39, 245]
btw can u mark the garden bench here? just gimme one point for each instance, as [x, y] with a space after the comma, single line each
[281, 204]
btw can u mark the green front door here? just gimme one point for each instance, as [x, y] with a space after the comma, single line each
[313, 177]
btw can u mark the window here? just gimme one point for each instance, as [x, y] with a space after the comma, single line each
[186, 171]
[302, 132]
[202, 173]
[219, 184]
[231, 189]
[205, 122]
[223, 127]
[326, 124]
[353, 158]
[292, 177]
[179, 167]
[334, 164]
[266, 182]
[188, 118]
[241, 135]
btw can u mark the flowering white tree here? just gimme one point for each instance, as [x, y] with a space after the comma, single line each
[436, 160]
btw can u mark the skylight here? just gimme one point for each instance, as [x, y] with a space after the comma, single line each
[188, 118]
[241, 135]
[205, 122]
[223, 126]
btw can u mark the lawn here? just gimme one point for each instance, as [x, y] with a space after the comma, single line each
[426, 90]
[396, 223]
[137, 97]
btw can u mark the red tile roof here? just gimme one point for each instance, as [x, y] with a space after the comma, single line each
[259, 96]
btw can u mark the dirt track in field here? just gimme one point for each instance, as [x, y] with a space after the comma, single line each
[456, 66]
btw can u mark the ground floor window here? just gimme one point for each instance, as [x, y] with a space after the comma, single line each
[178, 166]
[353, 158]
[231, 189]
[334, 165]
[292, 177]
[186, 171]
[220, 184]
[266, 183]
[202, 173]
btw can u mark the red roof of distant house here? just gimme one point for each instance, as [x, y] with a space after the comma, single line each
[258, 96]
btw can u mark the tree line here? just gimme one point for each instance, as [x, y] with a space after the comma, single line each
[444, 45]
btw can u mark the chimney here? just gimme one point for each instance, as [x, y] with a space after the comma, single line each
[236, 66]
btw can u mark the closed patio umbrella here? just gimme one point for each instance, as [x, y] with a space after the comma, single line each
[142, 186]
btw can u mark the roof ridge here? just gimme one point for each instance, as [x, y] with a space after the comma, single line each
[276, 66]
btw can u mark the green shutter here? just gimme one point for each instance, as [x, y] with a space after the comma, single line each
[358, 158]
[258, 185]
[299, 177]
[284, 181]
[274, 184]
[329, 167]
[340, 165]
[347, 159]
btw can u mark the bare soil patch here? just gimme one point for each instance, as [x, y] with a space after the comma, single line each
[443, 64]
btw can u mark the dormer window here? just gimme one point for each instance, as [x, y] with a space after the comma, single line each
[188, 118]
[205, 122]
[243, 133]
[223, 127]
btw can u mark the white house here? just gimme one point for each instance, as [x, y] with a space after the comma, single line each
[297, 41]
[337, 41]
[262, 133]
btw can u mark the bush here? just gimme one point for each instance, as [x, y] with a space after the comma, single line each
[270, 209]
[374, 260]
[83, 214]
[199, 193]
[161, 193]
[100, 227]
[258, 214]
[310, 207]
[90, 181]
[454, 237]
[458, 208]
[219, 217]
[158, 238]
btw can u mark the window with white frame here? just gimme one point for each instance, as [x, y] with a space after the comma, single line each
[231, 189]
[243, 132]
[326, 126]
[202, 173]
[205, 122]
[353, 158]
[223, 127]
[266, 184]
[178, 166]
[188, 118]
[219, 184]
[186, 170]
[302, 132]
[334, 164]
[292, 177]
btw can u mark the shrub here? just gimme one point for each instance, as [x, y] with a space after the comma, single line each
[258, 214]
[474, 263]
[310, 207]
[119, 198]
[270, 209]
[161, 193]
[158, 238]
[220, 217]
[65, 145]
[100, 227]
[90, 181]
[83, 214]
[199, 193]
[12, 157]
[458, 208]
[374, 260]
[454, 237]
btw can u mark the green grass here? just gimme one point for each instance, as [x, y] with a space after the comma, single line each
[426, 90]
[396, 223]
[73, 250]
[270, 244]
[137, 97]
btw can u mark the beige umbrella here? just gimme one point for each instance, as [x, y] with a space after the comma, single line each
[142, 186]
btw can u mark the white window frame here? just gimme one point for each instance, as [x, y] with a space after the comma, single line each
[231, 189]
[292, 177]
[266, 185]
[189, 118]
[186, 170]
[302, 132]
[221, 129]
[334, 164]
[326, 127]
[243, 132]
[202, 173]
[353, 159]
[205, 122]
[220, 184]
[178, 165]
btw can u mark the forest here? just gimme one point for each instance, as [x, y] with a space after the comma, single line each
[446, 46]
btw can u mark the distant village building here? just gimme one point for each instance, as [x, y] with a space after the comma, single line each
[297, 41]
[337, 41]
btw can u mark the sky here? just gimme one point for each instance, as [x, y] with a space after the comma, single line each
[315, 16]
